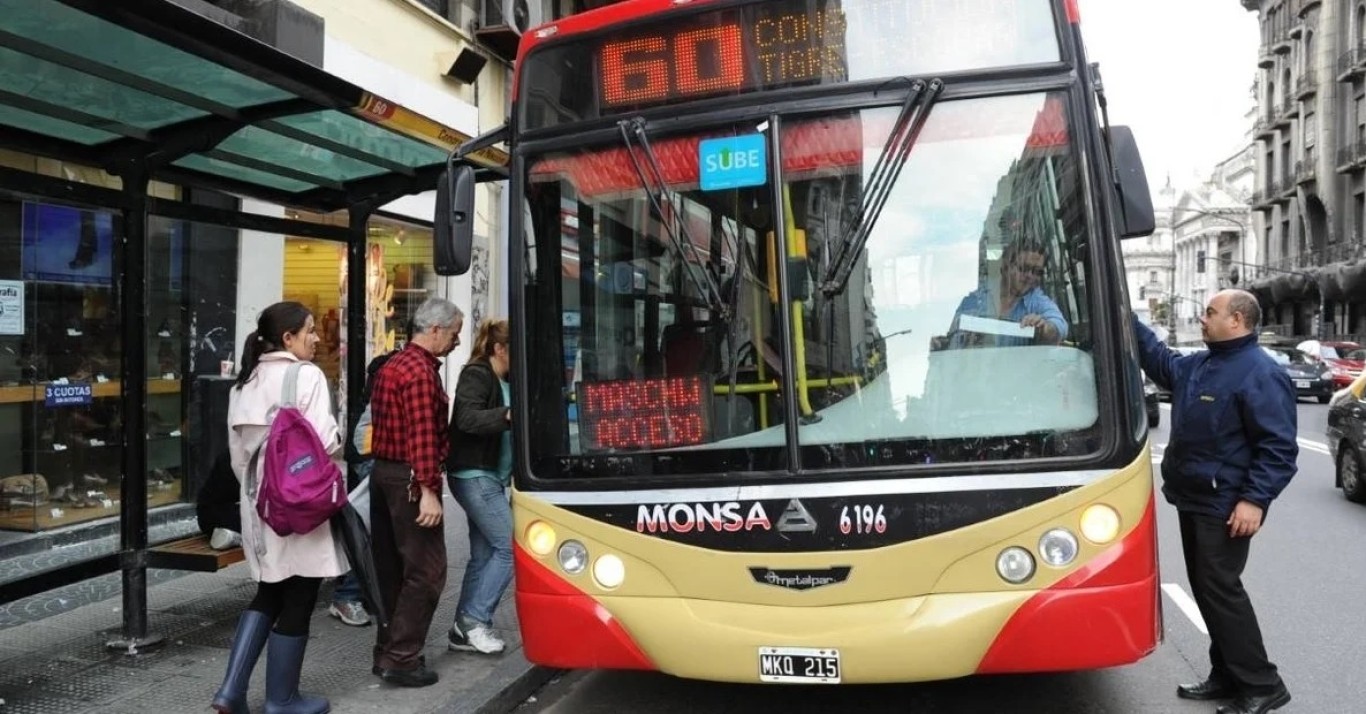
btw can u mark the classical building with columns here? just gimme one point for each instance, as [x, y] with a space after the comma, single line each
[1212, 220]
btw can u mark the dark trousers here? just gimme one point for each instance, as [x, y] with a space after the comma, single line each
[288, 604]
[411, 564]
[1214, 565]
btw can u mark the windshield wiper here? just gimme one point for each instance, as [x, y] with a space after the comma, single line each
[633, 136]
[914, 112]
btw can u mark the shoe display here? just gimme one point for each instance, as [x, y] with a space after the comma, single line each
[350, 613]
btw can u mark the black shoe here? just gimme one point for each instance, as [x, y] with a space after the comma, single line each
[378, 672]
[418, 677]
[1257, 703]
[1211, 688]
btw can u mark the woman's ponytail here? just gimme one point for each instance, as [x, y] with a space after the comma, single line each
[251, 355]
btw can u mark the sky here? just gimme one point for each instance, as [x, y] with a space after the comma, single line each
[1180, 73]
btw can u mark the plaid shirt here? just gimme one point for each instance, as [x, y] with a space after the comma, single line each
[408, 411]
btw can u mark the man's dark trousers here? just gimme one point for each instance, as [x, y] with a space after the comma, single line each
[1214, 565]
[411, 564]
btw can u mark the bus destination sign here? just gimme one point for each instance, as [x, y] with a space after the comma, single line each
[644, 414]
[797, 42]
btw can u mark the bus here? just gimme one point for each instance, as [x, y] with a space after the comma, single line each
[823, 364]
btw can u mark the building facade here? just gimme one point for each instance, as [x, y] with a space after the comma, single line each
[1213, 221]
[1310, 142]
[1148, 264]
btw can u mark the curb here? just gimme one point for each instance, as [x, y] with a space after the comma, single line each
[503, 690]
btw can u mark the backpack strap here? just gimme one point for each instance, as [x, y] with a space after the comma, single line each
[291, 386]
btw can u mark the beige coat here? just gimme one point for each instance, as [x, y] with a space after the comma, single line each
[315, 554]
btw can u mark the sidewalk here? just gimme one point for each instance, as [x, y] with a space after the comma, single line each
[59, 664]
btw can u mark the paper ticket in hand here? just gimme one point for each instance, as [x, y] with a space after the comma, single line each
[990, 326]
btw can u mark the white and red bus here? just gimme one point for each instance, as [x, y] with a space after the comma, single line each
[823, 368]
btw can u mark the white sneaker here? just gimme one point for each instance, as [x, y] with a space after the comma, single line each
[478, 638]
[223, 539]
[350, 613]
[484, 640]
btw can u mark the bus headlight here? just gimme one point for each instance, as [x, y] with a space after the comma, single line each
[1015, 565]
[1058, 547]
[1100, 523]
[573, 557]
[609, 571]
[540, 538]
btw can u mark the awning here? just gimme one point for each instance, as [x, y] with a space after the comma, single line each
[148, 83]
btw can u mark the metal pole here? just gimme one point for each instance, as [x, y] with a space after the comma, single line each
[132, 253]
[1323, 317]
[357, 334]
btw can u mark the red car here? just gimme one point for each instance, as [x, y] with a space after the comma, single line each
[1343, 359]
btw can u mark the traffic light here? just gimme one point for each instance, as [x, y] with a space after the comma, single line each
[1199, 261]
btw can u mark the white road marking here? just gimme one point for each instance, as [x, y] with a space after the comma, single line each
[1318, 446]
[1186, 605]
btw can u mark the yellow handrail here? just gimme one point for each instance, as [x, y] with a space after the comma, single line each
[796, 248]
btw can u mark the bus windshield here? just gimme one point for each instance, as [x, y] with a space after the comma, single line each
[963, 333]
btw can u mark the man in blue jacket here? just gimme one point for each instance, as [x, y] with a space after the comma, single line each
[1231, 452]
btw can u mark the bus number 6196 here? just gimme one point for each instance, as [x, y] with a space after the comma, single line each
[863, 519]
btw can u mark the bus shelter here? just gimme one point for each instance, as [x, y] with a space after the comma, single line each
[150, 91]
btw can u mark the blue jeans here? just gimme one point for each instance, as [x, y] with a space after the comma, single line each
[490, 568]
[347, 590]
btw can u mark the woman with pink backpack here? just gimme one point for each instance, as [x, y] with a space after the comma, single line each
[277, 372]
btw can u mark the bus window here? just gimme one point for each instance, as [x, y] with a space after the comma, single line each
[963, 331]
[661, 301]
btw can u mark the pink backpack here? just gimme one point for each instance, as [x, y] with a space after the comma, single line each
[300, 487]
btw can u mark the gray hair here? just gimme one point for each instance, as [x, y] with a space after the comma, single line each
[436, 312]
[1242, 302]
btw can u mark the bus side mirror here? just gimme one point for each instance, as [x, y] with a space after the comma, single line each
[1131, 182]
[453, 225]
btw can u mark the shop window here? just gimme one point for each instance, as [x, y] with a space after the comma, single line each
[62, 358]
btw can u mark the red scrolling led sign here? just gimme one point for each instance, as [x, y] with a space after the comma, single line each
[644, 414]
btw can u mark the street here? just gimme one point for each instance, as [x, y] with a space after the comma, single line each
[1304, 577]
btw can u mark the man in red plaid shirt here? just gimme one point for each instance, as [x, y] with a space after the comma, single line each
[409, 413]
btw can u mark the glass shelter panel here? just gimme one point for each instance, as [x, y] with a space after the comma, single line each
[67, 29]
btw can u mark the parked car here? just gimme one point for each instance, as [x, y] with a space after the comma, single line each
[1343, 359]
[1310, 377]
[1150, 402]
[1347, 439]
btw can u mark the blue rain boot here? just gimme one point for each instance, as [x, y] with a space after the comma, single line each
[284, 662]
[252, 629]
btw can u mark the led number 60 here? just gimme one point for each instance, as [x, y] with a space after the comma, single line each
[638, 70]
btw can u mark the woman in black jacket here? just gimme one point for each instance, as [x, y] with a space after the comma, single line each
[478, 470]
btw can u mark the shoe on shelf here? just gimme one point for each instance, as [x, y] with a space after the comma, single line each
[350, 613]
[223, 539]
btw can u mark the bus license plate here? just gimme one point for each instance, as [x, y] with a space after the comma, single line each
[799, 665]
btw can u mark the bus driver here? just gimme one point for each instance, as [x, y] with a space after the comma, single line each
[1018, 300]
